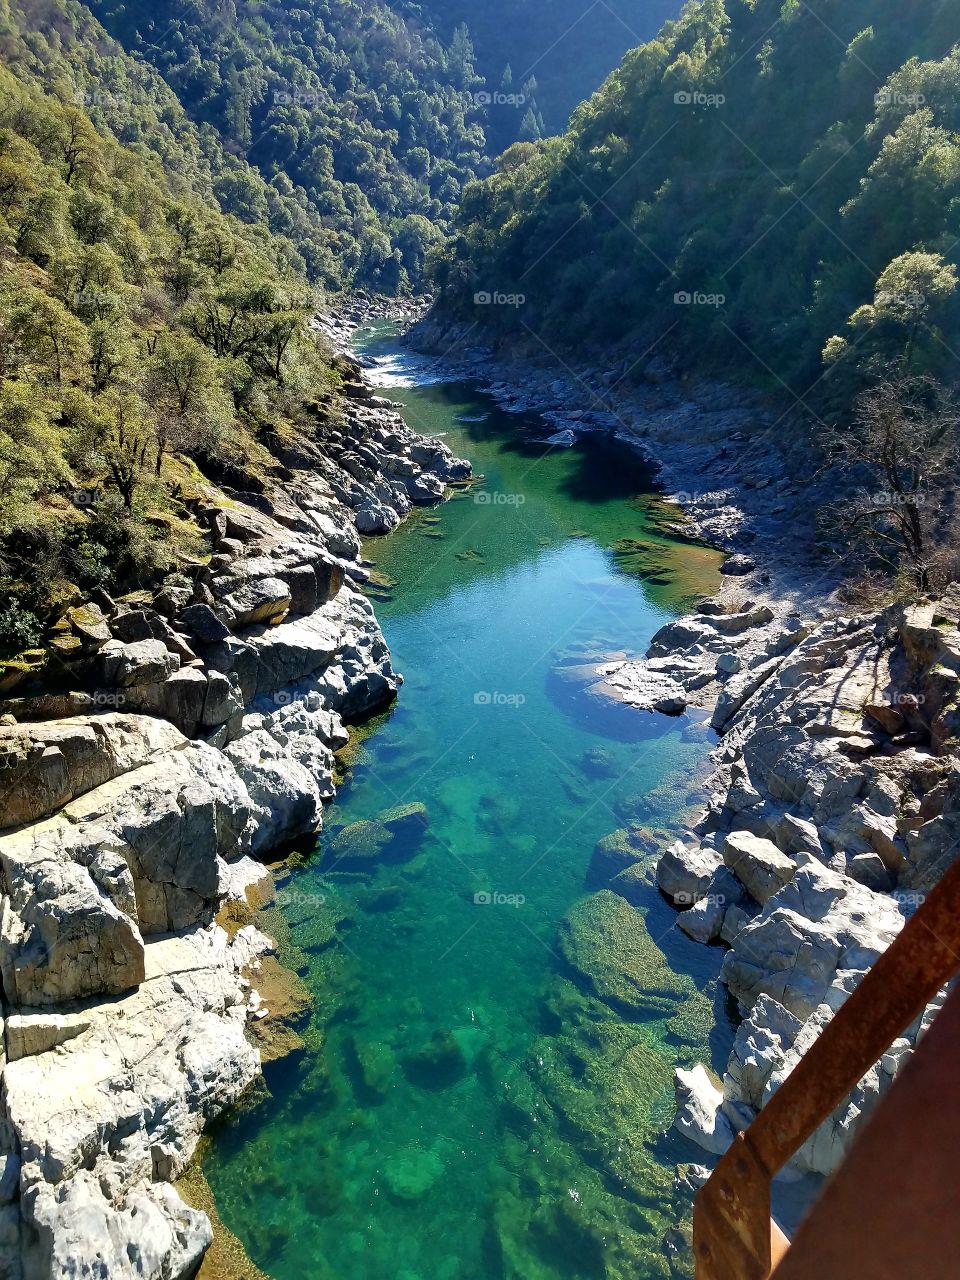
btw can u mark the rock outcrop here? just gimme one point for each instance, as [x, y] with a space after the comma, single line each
[836, 808]
[187, 732]
[718, 655]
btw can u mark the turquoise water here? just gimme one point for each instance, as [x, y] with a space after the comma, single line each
[467, 1106]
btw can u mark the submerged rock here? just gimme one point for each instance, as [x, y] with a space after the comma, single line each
[617, 851]
[438, 1064]
[405, 818]
[359, 844]
[605, 940]
[412, 1172]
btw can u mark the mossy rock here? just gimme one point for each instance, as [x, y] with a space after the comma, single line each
[317, 927]
[637, 883]
[405, 818]
[66, 645]
[359, 844]
[605, 941]
[371, 1066]
[693, 1021]
[16, 671]
[613, 1087]
[615, 852]
[644, 560]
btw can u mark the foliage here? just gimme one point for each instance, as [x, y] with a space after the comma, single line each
[362, 117]
[751, 190]
[19, 628]
[141, 330]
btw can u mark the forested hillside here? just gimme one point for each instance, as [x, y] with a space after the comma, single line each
[540, 59]
[769, 189]
[146, 338]
[365, 118]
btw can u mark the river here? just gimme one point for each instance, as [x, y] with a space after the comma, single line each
[466, 1107]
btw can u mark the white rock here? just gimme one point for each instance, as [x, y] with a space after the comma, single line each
[700, 1114]
[684, 871]
[758, 864]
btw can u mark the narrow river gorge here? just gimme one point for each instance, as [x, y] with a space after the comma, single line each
[467, 1105]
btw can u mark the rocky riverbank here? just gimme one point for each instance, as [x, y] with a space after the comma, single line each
[836, 809]
[156, 748]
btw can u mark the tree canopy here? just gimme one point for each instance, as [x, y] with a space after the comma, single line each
[768, 190]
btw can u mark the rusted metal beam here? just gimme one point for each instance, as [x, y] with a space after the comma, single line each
[733, 1233]
[890, 1210]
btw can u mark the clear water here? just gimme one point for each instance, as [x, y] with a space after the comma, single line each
[466, 1107]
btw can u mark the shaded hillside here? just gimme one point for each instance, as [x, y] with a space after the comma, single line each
[768, 189]
[541, 58]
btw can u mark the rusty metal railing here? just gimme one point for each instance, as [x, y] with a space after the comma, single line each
[734, 1236]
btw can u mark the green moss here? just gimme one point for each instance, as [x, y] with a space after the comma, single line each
[360, 843]
[605, 940]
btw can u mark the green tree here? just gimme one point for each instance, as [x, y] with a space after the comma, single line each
[51, 341]
[31, 455]
[184, 390]
[908, 294]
